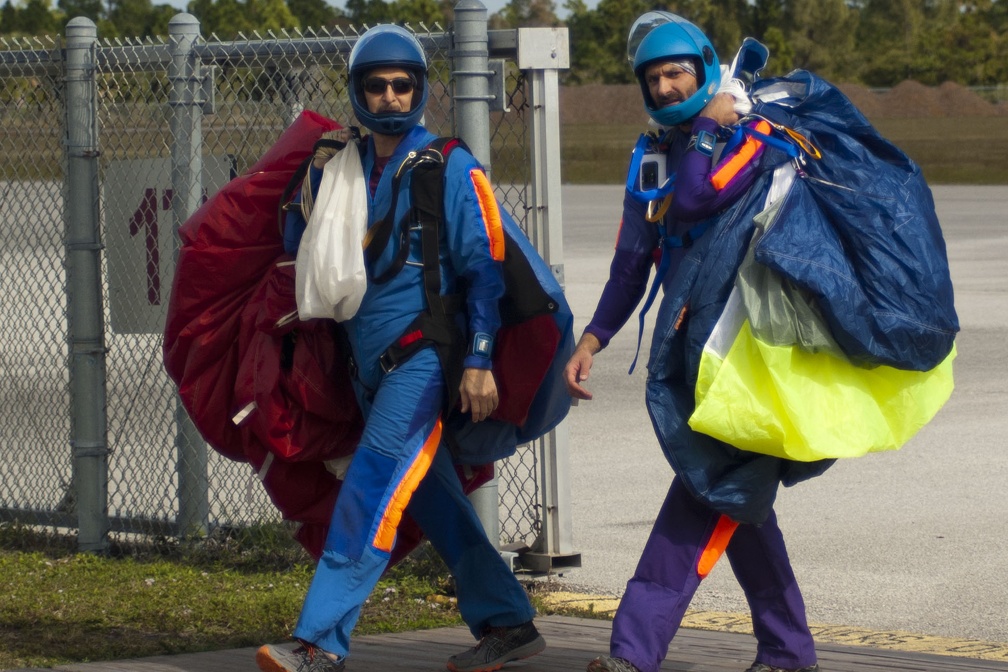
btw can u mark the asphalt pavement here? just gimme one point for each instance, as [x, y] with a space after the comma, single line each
[907, 541]
[902, 557]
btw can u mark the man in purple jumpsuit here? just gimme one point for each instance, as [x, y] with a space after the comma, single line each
[679, 76]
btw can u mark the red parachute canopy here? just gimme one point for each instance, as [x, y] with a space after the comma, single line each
[259, 384]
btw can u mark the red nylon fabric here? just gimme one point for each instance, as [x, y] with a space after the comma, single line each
[224, 349]
[522, 357]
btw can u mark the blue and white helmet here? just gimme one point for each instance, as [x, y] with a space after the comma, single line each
[388, 46]
[674, 38]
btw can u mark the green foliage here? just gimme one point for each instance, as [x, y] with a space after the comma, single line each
[273, 16]
[92, 9]
[10, 19]
[37, 18]
[782, 56]
[962, 48]
[131, 17]
[412, 12]
[228, 18]
[314, 13]
[874, 42]
[526, 13]
[820, 37]
[598, 39]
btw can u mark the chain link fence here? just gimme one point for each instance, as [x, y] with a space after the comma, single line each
[148, 468]
[35, 464]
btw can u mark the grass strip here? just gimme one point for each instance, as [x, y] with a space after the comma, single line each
[83, 608]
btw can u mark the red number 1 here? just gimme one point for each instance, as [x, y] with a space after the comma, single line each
[146, 219]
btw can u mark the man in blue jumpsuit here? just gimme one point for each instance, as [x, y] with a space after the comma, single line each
[679, 76]
[401, 463]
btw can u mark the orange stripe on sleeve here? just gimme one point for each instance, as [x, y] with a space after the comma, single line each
[742, 156]
[716, 545]
[490, 211]
[386, 534]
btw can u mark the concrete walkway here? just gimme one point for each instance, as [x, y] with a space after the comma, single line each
[572, 643]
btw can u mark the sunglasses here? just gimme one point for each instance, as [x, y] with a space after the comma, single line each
[378, 85]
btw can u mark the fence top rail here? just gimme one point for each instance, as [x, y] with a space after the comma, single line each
[141, 56]
[31, 62]
[216, 52]
[502, 43]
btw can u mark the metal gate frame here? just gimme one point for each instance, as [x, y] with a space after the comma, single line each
[479, 74]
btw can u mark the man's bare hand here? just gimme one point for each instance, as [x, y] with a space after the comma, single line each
[721, 109]
[478, 393]
[323, 154]
[579, 366]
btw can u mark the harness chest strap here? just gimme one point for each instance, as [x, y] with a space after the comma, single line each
[438, 326]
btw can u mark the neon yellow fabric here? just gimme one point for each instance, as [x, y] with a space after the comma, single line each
[787, 402]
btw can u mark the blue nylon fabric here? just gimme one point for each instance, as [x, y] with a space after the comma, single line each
[488, 593]
[895, 308]
[389, 309]
[397, 423]
[860, 231]
[490, 440]
[552, 402]
[668, 243]
[740, 484]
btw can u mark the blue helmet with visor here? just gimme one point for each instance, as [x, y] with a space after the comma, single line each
[388, 46]
[670, 37]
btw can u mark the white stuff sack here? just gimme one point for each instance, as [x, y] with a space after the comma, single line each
[330, 278]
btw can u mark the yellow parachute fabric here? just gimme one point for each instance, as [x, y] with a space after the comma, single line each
[797, 404]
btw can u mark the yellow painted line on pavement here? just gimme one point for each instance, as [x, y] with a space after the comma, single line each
[834, 634]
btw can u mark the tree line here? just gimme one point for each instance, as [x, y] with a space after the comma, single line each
[872, 42]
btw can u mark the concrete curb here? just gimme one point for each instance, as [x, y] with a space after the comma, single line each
[605, 606]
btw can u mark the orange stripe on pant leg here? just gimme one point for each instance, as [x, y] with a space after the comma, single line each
[716, 545]
[385, 536]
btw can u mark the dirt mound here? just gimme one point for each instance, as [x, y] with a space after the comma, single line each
[869, 103]
[911, 99]
[621, 103]
[602, 104]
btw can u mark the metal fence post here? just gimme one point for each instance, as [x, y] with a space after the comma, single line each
[85, 313]
[185, 100]
[471, 74]
[542, 52]
[111, 413]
